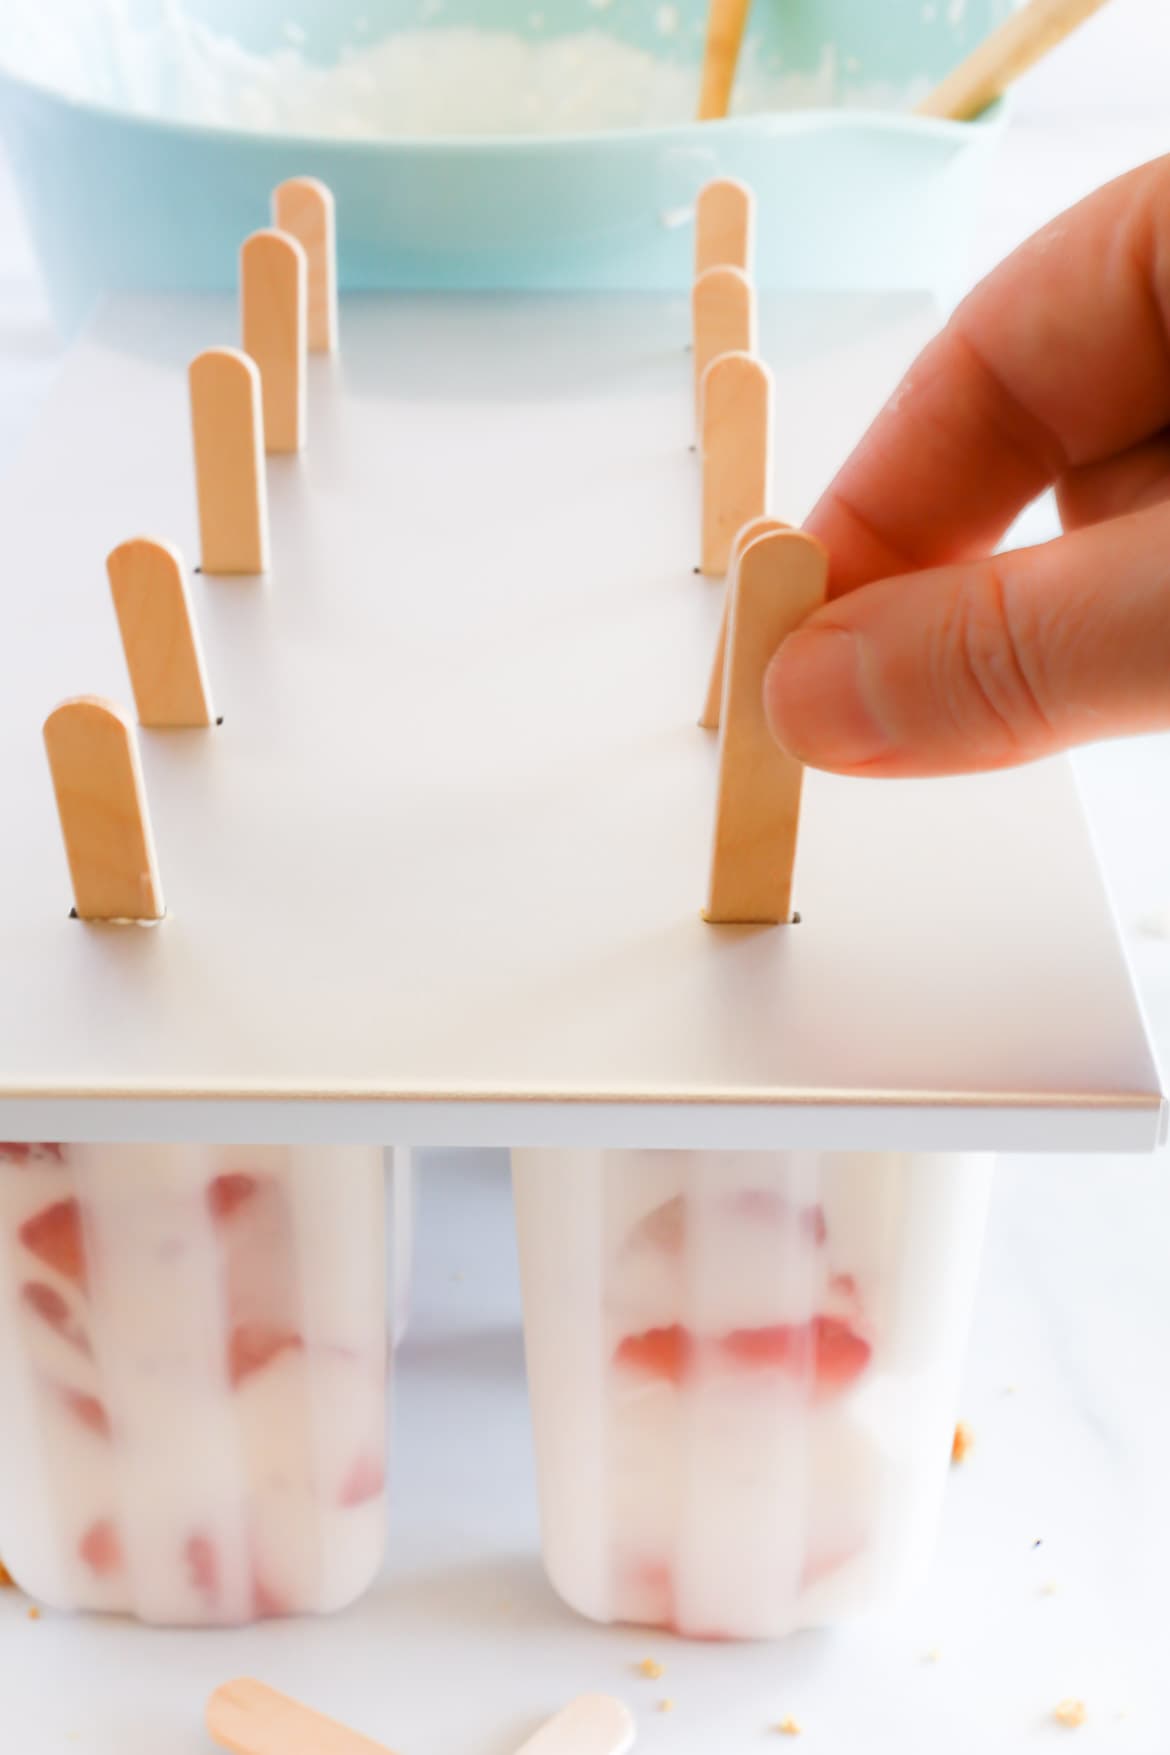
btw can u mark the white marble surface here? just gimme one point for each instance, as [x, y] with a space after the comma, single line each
[1067, 1389]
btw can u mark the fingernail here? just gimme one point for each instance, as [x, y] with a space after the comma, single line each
[817, 701]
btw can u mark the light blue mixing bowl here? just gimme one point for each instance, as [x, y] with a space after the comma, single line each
[849, 197]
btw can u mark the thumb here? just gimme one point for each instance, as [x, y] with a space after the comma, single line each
[987, 663]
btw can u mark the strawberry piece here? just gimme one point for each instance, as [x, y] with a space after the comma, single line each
[814, 1225]
[267, 1604]
[16, 1152]
[202, 1561]
[53, 1309]
[666, 1353]
[826, 1349]
[841, 1353]
[227, 1193]
[88, 1410]
[253, 1345]
[54, 1236]
[785, 1346]
[101, 1548]
[364, 1482]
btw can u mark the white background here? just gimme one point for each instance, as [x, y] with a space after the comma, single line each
[1068, 1389]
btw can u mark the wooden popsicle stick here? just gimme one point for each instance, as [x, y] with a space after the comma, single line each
[724, 226]
[723, 319]
[712, 706]
[781, 578]
[101, 800]
[737, 452]
[274, 313]
[252, 1719]
[159, 639]
[227, 424]
[304, 207]
[725, 27]
[593, 1724]
[1019, 42]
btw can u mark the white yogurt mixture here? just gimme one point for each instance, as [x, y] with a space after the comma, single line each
[439, 80]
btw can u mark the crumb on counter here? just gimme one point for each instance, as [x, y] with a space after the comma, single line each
[34, 1613]
[788, 1727]
[666, 1706]
[650, 1668]
[961, 1443]
[6, 1580]
[1050, 1588]
[1070, 1713]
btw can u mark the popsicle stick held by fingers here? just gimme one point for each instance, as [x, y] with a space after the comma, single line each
[723, 319]
[158, 634]
[304, 207]
[227, 425]
[737, 452]
[274, 313]
[726, 20]
[251, 1719]
[725, 223]
[1019, 42]
[713, 705]
[101, 801]
[780, 579]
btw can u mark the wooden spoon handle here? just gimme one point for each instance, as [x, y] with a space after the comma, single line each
[1022, 40]
[725, 26]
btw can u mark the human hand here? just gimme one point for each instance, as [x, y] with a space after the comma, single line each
[932, 656]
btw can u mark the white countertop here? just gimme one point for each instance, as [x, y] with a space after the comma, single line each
[1067, 1387]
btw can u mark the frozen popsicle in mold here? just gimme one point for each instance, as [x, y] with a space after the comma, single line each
[193, 1367]
[743, 1370]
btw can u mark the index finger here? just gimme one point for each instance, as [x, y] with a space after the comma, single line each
[1060, 358]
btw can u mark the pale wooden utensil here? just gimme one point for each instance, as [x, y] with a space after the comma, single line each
[227, 425]
[593, 1724]
[781, 578]
[713, 705]
[251, 1719]
[736, 451]
[159, 639]
[274, 278]
[1019, 42]
[725, 225]
[304, 207]
[723, 319]
[725, 27]
[101, 800]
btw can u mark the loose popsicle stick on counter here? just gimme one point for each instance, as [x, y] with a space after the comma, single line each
[723, 319]
[251, 1719]
[159, 639]
[725, 26]
[304, 207]
[781, 578]
[593, 1724]
[713, 705]
[274, 307]
[227, 424]
[725, 223]
[101, 800]
[736, 453]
